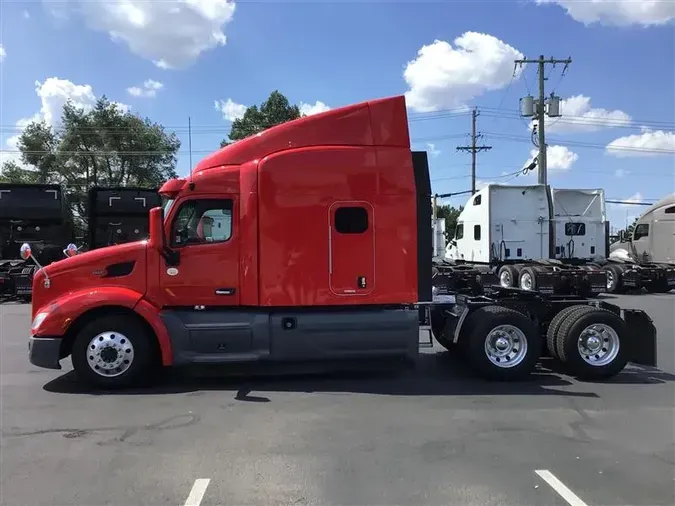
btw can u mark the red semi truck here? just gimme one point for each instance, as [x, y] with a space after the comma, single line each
[310, 241]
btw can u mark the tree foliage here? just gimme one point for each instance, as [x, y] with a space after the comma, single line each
[105, 146]
[451, 214]
[273, 111]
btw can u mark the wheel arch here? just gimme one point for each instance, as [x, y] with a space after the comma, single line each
[90, 315]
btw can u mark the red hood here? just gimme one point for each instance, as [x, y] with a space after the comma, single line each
[89, 270]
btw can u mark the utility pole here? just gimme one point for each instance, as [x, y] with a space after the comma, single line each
[527, 107]
[474, 148]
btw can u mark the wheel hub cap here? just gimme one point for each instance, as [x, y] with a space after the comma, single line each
[502, 344]
[598, 344]
[110, 354]
[506, 346]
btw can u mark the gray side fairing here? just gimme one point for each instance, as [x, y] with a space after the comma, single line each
[235, 335]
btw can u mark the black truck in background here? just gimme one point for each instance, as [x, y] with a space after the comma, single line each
[119, 215]
[36, 214]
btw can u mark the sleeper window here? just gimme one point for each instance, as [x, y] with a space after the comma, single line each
[351, 220]
[476, 232]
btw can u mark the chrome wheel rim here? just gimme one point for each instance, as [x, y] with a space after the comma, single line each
[598, 344]
[505, 279]
[610, 279]
[506, 346]
[110, 354]
[526, 281]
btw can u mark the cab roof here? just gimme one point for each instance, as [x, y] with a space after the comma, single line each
[381, 122]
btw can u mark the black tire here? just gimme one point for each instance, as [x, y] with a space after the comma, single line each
[530, 271]
[570, 332]
[125, 329]
[554, 327]
[614, 279]
[479, 325]
[438, 329]
[512, 272]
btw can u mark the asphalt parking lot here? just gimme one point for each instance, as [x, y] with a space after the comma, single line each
[428, 436]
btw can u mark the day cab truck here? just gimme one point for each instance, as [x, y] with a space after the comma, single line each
[646, 259]
[534, 237]
[34, 213]
[308, 242]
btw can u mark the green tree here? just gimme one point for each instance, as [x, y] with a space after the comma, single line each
[451, 214]
[273, 111]
[105, 146]
[628, 231]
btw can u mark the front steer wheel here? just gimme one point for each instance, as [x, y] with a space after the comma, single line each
[114, 351]
[501, 344]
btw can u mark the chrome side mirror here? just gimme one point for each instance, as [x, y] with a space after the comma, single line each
[71, 250]
[25, 252]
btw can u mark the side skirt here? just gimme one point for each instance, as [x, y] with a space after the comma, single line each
[220, 336]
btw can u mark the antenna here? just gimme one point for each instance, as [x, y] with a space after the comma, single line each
[190, 141]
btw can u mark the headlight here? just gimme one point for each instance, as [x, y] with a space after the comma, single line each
[37, 321]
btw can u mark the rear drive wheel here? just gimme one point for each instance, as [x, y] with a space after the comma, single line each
[113, 352]
[502, 344]
[528, 279]
[614, 281]
[507, 276]
[554, 327]
[592, 342]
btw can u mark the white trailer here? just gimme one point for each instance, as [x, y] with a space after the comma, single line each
[535, 238]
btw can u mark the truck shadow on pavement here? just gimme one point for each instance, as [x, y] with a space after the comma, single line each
[437, 374]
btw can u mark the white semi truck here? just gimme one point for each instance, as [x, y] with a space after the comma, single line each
[535, 238]
[646, 258]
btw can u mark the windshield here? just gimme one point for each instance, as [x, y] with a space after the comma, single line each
[167, 206]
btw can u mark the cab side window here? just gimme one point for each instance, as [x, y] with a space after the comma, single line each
[202, 221]
[642, 230]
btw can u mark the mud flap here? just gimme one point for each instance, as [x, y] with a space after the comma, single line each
[642, 337]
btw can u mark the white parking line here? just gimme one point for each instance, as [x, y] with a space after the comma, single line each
[197, 492]
[557, 485]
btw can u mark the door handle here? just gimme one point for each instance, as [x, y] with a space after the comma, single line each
[225, 291]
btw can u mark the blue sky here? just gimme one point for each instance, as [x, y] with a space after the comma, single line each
[336, 53]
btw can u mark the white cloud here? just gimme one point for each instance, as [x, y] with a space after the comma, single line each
[170, 34]
[148, 90]
[431, 147]
[618, 12]
[557, 158]
[26, 14]
[53, 94]
[579, 116]
[230, 110]
[3, 53]
[443, 76]
[621, 172]
[648, 143]
[309, 109]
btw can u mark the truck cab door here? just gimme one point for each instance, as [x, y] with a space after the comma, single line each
[351, 257]
[207, 270]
